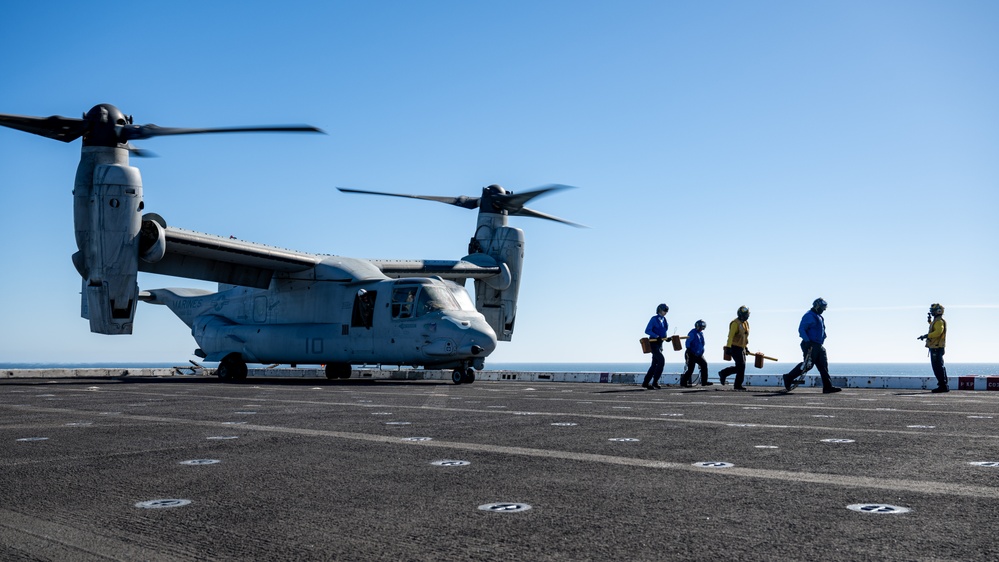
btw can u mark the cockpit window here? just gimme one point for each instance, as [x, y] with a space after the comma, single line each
[403, 299]
[416, 300]
[461, 295]
[434, 298]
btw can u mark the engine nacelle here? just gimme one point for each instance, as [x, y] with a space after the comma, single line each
[497, 300]
[152, 238]
[107, 211]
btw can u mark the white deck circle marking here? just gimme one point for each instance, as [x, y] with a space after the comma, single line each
[564, 424]
[79, 424]
[766, 446]
[33, 439]
[979, 417]
[713, 464]
[990, 464]
[397, 423]
[159, 504]
[838, 441]
[381, 413]
[504, 507]
[624, 439]
[671, 415]
[450, 463]
[879, 508]
[223, 437]
[417, 438]
[921, 426]
[741, 424]
[199, 462]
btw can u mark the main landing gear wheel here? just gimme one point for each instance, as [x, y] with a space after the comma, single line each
[463, 376]
[338, 370]
[231, 368]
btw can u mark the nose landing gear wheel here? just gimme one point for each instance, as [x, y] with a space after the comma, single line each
[463, 376]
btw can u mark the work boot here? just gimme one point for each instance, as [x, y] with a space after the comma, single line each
[788, 382]
[722, 378]
[831, 389]
[940, 389]
[707, 383]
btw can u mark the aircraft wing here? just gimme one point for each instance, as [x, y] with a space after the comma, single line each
[195, 255]
[455, 270]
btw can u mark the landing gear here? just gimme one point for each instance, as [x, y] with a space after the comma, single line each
[338, 370]
[231, 368]
[463, 376]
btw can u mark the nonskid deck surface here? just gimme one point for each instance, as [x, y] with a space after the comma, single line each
[426, 470]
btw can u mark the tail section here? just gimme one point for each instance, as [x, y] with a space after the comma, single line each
[187, 304]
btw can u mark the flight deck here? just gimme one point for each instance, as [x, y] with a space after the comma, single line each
[308, 469]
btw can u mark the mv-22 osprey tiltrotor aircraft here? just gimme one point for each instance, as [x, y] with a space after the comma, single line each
[281, 306]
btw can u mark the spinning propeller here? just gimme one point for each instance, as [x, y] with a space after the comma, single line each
[494, 199]
[106, 125]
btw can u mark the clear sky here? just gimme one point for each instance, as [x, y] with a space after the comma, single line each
[726, 153]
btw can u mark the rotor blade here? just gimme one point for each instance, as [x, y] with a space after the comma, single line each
[140, 152]
[139, 132]
[462, 201]
[60, 128]
[525, 212]
[515, 201]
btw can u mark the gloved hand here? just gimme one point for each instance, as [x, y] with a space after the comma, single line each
[922, 337]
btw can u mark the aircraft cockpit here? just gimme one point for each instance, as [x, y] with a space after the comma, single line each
[412, 300]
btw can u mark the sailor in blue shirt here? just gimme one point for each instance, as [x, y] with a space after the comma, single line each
[812, 330]
[656, 330]
[695, 355]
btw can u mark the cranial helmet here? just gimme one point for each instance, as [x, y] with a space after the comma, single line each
[819, 304]
[742, 313]
[701, 324]
[936, 309]
[662, 308]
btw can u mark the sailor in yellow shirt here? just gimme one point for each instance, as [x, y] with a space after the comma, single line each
[738, 341]
[936, 340]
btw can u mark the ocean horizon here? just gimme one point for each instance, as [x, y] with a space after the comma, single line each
[835, 369]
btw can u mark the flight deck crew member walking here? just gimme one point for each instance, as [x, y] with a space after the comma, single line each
[812, 330]
[656, 330]
[695, 355]
[738, 341]
[936, 339]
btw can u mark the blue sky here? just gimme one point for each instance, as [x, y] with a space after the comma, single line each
[726, 153]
